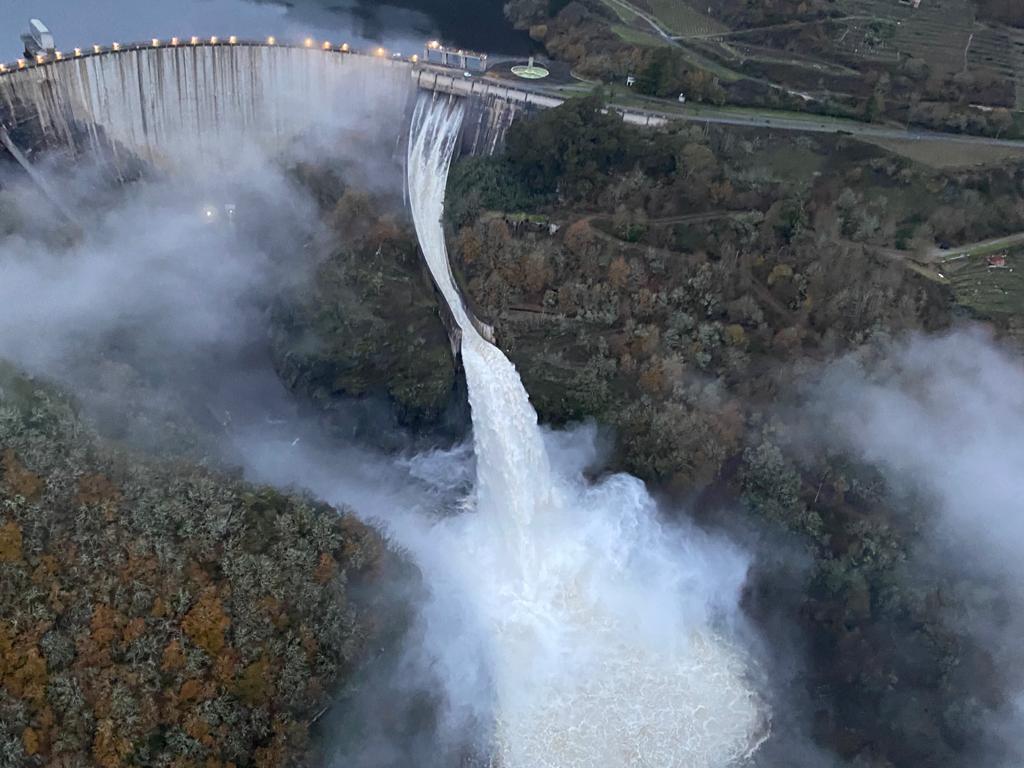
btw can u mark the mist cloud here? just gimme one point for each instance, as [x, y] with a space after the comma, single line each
[154, 314]
[943, 417]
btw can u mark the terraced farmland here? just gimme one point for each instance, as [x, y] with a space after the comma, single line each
[1000, 49]
[989, 290]
[938, 32]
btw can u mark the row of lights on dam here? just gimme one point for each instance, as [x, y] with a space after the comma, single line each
[194, 40]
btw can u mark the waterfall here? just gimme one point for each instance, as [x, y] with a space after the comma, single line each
[496, 394]
[601, 623]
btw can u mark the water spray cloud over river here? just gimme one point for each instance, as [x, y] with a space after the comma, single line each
[601, 628]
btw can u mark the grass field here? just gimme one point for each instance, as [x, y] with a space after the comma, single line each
[680, 18]
[636, 37]
[988, 290]
[624, 14]
[638, 31]
[937, 154]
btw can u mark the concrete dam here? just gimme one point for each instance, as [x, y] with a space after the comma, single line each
[199, 104]
[171, 100]
[167, 102]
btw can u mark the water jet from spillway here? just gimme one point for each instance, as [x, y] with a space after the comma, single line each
[600, 624]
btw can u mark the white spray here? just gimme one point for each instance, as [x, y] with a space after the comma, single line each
[598, 623]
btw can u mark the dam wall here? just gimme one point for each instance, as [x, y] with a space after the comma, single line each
[486, 123]
[204, 100]
[167, 103]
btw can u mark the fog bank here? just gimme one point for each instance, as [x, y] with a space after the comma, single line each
[943, 418]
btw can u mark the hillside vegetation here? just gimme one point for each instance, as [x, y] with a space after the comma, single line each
[934, 67]
[365, 324]
[156, 613]
[681, 286]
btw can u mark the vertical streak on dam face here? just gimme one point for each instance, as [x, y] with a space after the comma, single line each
[163, 103]
[488, 119]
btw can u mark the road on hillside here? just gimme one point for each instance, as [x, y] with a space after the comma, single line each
[766, 118]
[983, 247]
[769, 119]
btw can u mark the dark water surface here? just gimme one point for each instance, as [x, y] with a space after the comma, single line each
[401, 25]
[475, 24]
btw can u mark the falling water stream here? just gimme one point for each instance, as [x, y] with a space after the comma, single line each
[603, 632]
[603, 625]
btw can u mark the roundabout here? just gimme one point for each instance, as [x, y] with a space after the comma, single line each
[530, 71]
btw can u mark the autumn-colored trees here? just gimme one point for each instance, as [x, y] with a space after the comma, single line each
[158, 613]
[666, 72]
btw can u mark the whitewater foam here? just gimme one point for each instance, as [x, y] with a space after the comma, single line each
[599, 625]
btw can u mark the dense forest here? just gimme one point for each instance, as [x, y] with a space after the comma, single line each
[365, 323]
[155, 612]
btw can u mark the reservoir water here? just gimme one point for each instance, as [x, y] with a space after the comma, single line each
[403, 26]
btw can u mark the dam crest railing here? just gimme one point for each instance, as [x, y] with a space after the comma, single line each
[115, 48]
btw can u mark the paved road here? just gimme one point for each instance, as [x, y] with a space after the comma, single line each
[813, 124]
[985, 246]
[662, 109]
[652, 22]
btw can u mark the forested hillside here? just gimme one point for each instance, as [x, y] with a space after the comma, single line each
[682, 287]
[158, 613]
[890, 64]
